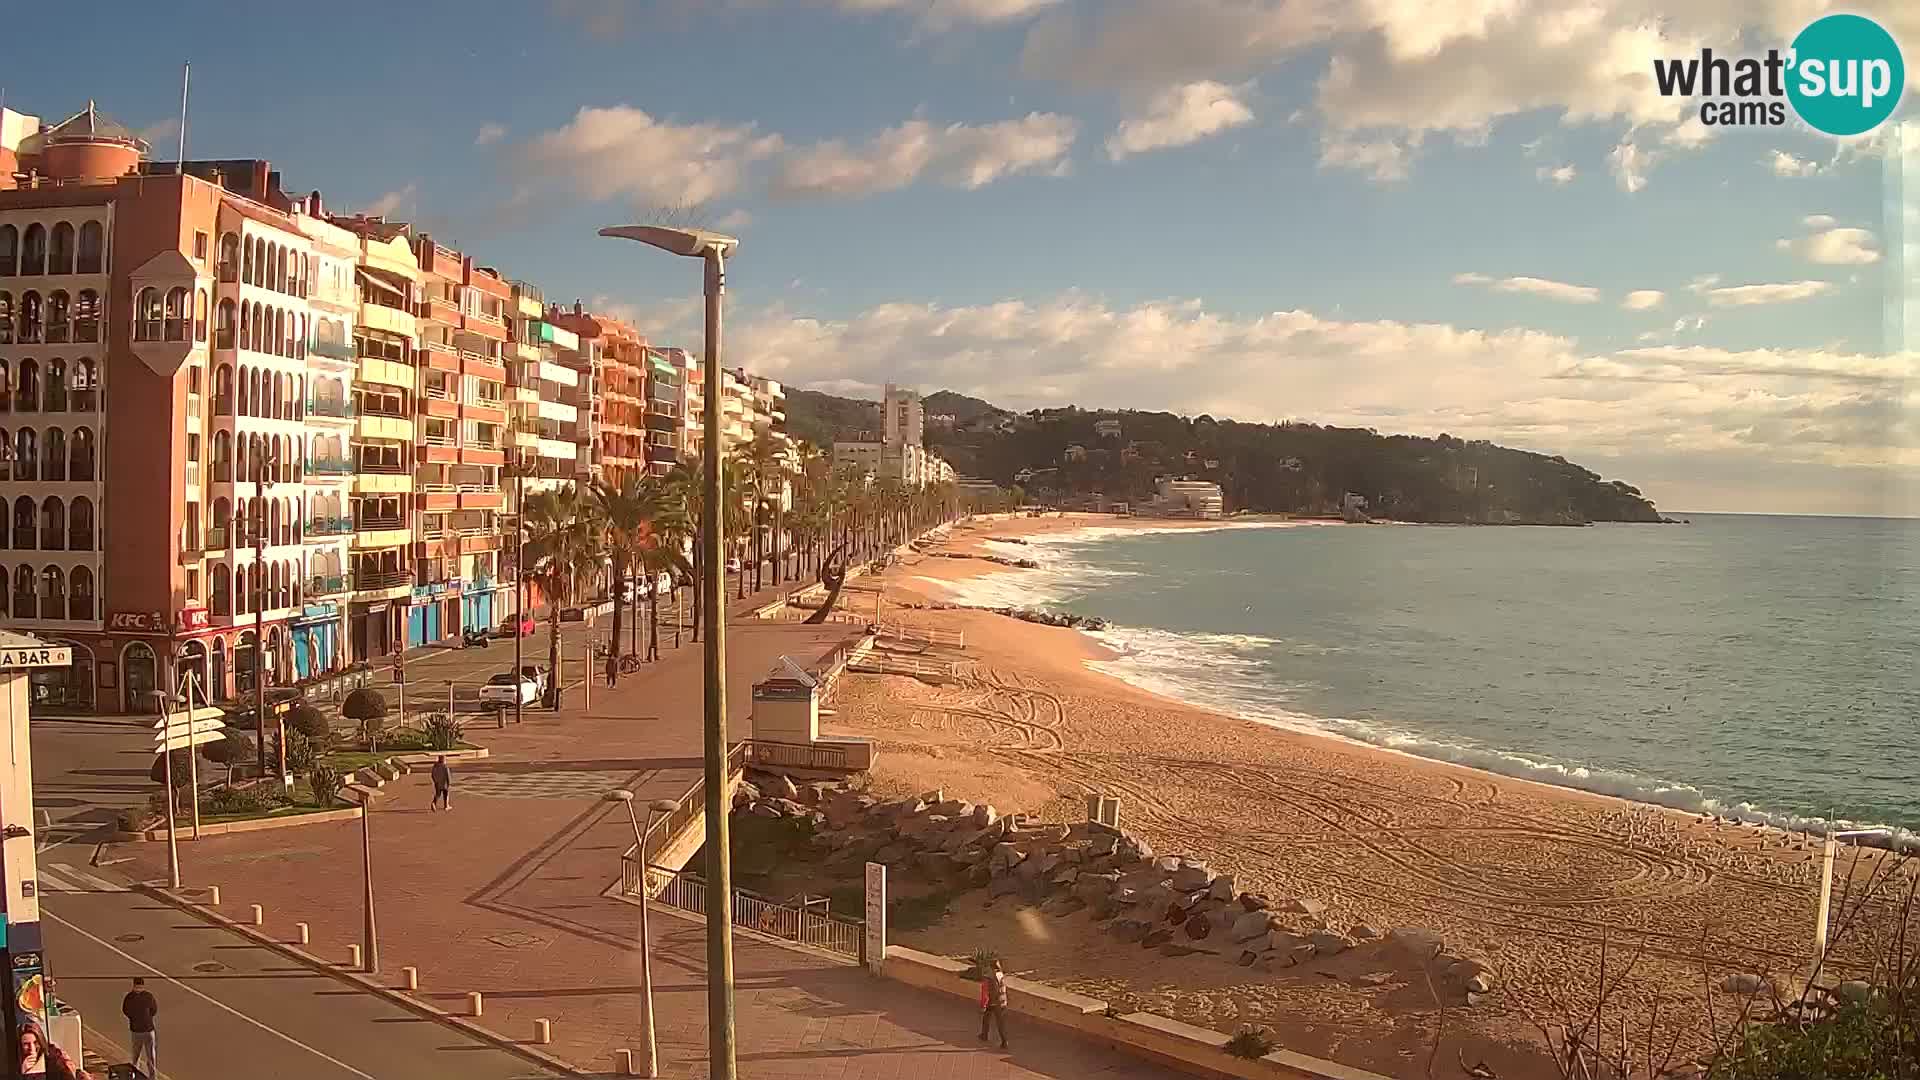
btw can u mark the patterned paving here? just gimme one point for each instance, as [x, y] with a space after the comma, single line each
[583, 785]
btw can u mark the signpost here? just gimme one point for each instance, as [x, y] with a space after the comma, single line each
[184, 731]
[876, 939]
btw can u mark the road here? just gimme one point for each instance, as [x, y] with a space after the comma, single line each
[231, 1008]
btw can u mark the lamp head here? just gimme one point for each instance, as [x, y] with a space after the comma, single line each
[619, 795]
[663, 806]
[689, 242]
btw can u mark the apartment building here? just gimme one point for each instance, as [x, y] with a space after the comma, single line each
[621, 403]
[666, 409]
[320, 635]
[898, 455]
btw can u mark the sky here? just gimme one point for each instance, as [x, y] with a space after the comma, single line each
[1469, 216]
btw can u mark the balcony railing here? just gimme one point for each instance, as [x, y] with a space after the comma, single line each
[384, 468]
[439, 440]
[330, 466]
[437, 488]
[329, 526]
[329, 586]
[337, 350]
[379, 523]
[330, 407]
[381, 579]
[438, 393]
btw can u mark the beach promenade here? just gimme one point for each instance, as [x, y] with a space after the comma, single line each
[503, 895]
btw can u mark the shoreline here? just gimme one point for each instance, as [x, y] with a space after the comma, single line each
[1640, 790]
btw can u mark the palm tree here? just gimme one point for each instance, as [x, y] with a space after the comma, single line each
[627, 508]
[563, 547]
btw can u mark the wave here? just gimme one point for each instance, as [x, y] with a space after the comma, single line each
[1226, 673]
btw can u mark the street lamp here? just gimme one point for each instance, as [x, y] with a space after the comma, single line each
[370, 932]
[712, 249]
[1828, 849]
[658, 806]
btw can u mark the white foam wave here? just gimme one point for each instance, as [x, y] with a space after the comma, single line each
[1224, 673]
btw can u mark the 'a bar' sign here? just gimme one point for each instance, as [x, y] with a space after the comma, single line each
[41, 656]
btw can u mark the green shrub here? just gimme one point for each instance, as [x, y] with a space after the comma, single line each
[231, 752]
[363, 703]
[368, 731]
[326, 782]
[311, 724]
[442, 731]
[1871, 1041]
[260, 798]
[182, 769]
[1251, 1043]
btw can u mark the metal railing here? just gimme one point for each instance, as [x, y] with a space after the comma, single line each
[329, 407]
[803, 925]
[330, 466]
[326, 525]
[379, 523]
[381, 579]
[690, 805]
[797, 755]
[327, 586]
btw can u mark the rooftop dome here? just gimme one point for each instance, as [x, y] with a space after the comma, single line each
[89, 125]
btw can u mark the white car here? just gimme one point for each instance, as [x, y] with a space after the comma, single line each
[501, 690]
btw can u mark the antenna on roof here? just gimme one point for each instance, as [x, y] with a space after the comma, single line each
[186, 76]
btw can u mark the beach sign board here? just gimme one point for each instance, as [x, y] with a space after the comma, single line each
[876, 916]
[38, 656]
[179, 731]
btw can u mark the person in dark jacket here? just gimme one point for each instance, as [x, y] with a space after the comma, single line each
[993, 1002]
[139, 1007]
[442, 785]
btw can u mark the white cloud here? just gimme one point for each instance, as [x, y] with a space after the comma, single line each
[943, 14]
[1785, 164]
[1775, 293]
[1643, 299]
[1180, 115]
[1552, 290]
[734, 219]
[393, 202]
[1630, 165]
[1829, 245]
[490, 134]
[1558, 175]
[959, 155]
[1384, 160]
[1819, 221]
[1689, 134]
[620, 150]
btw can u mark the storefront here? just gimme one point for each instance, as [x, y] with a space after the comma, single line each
[370, 626]
[435, 614]
[316, 639]
[67, 688]
[478, 609]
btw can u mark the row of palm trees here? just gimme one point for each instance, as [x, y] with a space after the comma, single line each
[643, 525]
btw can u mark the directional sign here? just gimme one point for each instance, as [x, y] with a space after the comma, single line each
[182, 730]
[181, 742]
[180, 719]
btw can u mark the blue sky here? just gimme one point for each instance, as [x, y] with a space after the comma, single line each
[1415, 216]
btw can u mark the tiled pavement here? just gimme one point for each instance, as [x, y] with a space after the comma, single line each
[502, 895]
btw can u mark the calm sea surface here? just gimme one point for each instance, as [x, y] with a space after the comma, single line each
[1758, 665]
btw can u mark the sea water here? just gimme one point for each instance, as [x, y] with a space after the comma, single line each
[1756, 667]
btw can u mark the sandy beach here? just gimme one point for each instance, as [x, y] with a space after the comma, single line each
[1533, 879]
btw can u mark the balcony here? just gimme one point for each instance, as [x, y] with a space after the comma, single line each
[384, 468]
[387, 428]
[338, 407]
[440, 309]
[330, 586]
[383, 371]
[379, 522]
[332, 350]
[329, 467]
[381, 579]
[439, 393]
[329, 526]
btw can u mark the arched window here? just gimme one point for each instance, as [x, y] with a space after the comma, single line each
[147, 312]
[80, 524]
[53, 593]
[85, 382]
[80, 602]
[229, 257]
[59, 312]
[53, 524]
[56, 454]
[6, 317]
[242, 600]
[26, 455]
[223, 326]
[6, 459]
[33, 250]
[179, 314]
[300, 340]
[223, 385]
[273, 523]
[92, 248]
[86, 316]
[222, 599]
[26, 395]
[30, 318]
[246, 326]
[26, 524]
[222, 457]
[280, 333]
[246, 263]
[200, 315]
[82, 456]
[56, 399]
[246, 391]
[9, 251]
[280, 270]
[60, 255]
[24, 606]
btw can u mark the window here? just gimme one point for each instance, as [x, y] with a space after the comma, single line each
[59, 311]
[26, 523]
[221, 598]
[26, 396]
[86, 385]
[82, 456]
[179, 314]
[24, 606]
[200, 316]
[33, 250]
[80, 524]
[80, 603]
[200, 247]
[92, 248]
[6, 318]
[56, 385]
[193, 447]
[223, 387]
[30, 318]
[60, 257]
[86, 316]
[53, 592]
[223, 326]
[53, 524]
[147, 314]
[56, 454]
[9, 250]
[193, 583]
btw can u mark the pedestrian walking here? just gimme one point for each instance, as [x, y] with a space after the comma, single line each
[140, 1008]
[993, 1002]
[613, 667]
[442, 785]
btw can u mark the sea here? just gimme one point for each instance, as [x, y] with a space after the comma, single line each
[1756, 667]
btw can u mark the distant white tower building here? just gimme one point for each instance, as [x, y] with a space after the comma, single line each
[903, 421]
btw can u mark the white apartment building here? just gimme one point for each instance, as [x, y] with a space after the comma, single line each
[333, 297]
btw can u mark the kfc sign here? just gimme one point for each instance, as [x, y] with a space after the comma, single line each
[137, 622]
[193, 618]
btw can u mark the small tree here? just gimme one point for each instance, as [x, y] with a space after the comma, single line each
[368, 710]
[230, 752]
[325, 781]
[182, 772]
[311, 724]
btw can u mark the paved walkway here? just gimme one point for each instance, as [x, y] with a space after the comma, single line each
[503, 895]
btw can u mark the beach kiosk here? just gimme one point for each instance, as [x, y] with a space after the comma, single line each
[786, 727]
[29, 999]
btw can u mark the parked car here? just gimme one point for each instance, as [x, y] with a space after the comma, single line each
[536, 672]
[506, 690]
[525, 629]
[573, 614]
[733, 566]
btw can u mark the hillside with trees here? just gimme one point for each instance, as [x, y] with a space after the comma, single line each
[1058, 456]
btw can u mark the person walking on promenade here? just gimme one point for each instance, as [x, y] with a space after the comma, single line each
[442, 785]
[613, 666]
[993, 1002]
[140, 1008]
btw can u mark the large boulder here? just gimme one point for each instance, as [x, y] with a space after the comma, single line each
[1095, 886]
[1313, 909]
[1167, 865]
[894, 855]
[1222, 888]
[1327, 943]
[785, 788]
[1251, 925]
[1363, 932]
[1102, 845]
[1006, 857]
[1255, 902]
[1283, 941]
[1062, 906]
[1415, 945]
[1191, 878]
[1854, 991]
[1199, 927]
[1128, 929]
[847, 808]
[984, 815]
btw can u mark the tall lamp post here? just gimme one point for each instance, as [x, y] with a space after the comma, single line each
[369, 932]
[712, 249]
[519, 469]
[658, 806]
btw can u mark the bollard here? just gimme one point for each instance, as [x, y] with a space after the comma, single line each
[474, 1004]
[306, 936]
[353, 957]
[623, 1062]
[412, 976]
[213, 895]
[542, 1032]
[259, 916]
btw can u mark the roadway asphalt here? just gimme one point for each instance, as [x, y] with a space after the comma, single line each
[231, 1008]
